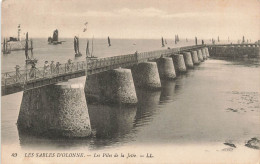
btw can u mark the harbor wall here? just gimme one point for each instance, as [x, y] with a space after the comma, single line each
[235, 51]
[16, 46]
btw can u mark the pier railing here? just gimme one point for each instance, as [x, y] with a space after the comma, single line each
[21, 77]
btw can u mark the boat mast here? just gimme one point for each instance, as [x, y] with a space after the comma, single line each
[78, 45]
[31, 47]
[162, 42]
[92, 46]
[4, 47]
[75, 44]
[87, 49]
[108, 39]
[19, 29]
[26, 46]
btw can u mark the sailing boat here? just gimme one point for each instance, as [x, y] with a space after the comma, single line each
[165, 41]
[108, 39]
[55, 38]
[87, 49]
[162, 42]
[76, 47]
[88, 55]
[175, 39]
[29, 60]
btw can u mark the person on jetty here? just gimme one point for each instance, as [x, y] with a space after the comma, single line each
[46, 68]
[17, 71]
[52, 66]
[32, 73]
[69, 65]
[57, 67]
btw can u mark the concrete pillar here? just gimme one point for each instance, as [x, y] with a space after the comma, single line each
[204, 54]
[146, 75]
[207, 51]
[255, 53]
[55, 110]
[195, 58]
[188, 60]
[240, 52]
[166, 68]
[179, 63]
[114, 86]
[201, 59]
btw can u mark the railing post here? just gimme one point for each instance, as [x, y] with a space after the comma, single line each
[26, 75]
[5, 85]
[16, 72]
[136, 57]
[34, 73]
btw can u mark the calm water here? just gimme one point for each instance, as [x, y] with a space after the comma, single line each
[216, 102]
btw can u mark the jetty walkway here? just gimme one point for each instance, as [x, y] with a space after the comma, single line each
[21, 80]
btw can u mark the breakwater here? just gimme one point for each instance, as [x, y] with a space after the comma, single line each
[235, 50]
[16, 46]
[114, 81]
[66, 112]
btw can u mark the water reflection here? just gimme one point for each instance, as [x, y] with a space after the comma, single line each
[27, 140]
[168, 91]
[171, 89]
[111, 121]
[111, 124]
[148, 102]
[180, 83]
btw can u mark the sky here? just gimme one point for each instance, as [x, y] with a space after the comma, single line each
[133, 18]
